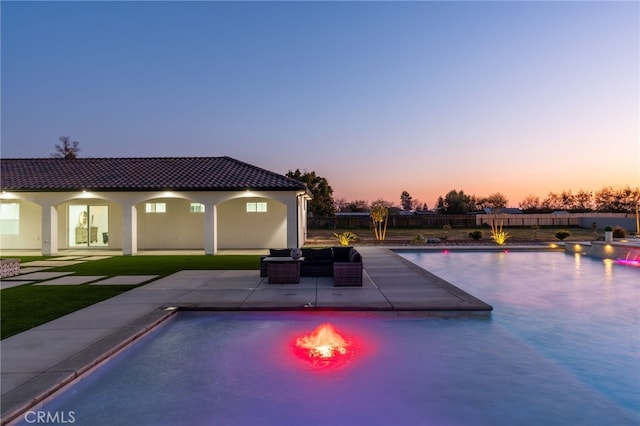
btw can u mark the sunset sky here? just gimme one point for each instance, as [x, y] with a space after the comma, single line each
[378, 97]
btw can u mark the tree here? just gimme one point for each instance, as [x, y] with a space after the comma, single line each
[379, 218]
[322, 204]
[406, 201]
[530, 203]
[567, 200]
[67, 149]
[356, 206]
[553, 202]
[456, 203]
[584, 200]
[620, 200]
[340, 204]
[496, 201]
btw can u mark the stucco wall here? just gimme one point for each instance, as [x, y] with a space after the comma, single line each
[628, 223]
[178, 228]
[30, 228]
[238, 228]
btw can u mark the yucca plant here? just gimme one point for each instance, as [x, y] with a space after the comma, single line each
[497, 234]
[345, 238]
[379, 216]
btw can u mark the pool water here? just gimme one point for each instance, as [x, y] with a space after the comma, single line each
[580, 312]
[561, 348]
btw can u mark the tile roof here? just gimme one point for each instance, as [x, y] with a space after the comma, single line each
[139, 174]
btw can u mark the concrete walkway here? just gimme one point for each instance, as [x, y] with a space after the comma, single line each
[39, 361]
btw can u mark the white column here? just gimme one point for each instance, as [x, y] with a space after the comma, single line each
[211, 229]
[292, 222]
[129, 230]
[49, 230]
[302, 219]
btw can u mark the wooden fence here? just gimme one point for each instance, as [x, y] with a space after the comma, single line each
[396, 221]
[462, 221]
[547, 219]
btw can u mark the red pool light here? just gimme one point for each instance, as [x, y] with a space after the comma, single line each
[324, 347]
[628, 262]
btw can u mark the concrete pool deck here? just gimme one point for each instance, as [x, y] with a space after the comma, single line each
[39, 361]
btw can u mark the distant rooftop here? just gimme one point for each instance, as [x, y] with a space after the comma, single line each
[506, 210]
[139, 174]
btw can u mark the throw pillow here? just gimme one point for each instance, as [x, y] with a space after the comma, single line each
[279, 252]
[341, 254]
[323, 254]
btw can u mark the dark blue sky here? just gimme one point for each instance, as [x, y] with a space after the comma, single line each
[379, 97]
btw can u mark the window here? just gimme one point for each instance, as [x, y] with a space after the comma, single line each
[197, 208]
[259, 207]
[9, 218]
[155, 207]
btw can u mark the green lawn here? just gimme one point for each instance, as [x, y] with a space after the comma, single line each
[27, 306]
[161, 265]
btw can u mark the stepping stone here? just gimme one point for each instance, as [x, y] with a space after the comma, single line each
[31, 269]
[95, 257]
[8, 284]
[53, 263]
[65, 258]
[126, 280]
[39, 276]
[72, 280]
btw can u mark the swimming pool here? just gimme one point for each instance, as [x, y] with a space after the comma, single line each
[582, 313]
[560, 348]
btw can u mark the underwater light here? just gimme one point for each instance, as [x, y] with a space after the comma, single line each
[324, 347]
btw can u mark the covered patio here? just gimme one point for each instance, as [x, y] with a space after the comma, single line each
[132, 204]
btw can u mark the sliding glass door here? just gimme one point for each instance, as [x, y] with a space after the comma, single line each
[88, 226]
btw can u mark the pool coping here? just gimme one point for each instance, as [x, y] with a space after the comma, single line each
[405, 286]
[41, 387]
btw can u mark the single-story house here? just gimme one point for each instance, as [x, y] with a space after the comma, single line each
[133, 204]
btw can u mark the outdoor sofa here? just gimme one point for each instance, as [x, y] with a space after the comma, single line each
[344, 264]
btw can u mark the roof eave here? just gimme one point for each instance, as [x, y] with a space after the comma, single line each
[185, 189]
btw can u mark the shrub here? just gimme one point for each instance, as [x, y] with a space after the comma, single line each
[535, 229]
[345, 238]
[446, 228]
[562, 234]
[418, 240]
[476, 235]
[619, 232]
